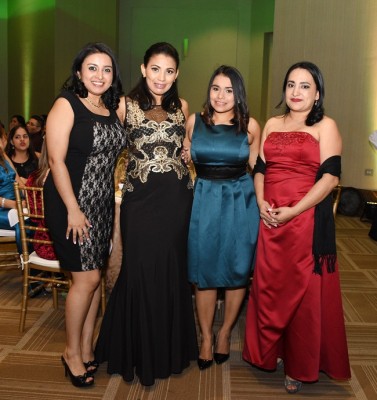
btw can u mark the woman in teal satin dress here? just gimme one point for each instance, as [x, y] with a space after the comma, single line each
[221, 141]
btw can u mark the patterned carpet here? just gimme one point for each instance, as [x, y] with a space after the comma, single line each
[30, 366]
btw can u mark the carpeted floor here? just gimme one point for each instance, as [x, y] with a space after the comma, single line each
[30, 366]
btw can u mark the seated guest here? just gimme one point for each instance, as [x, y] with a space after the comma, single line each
[7, 197]
[21, 152]
[8, 176]
[16, 120]
[37, 179]
[35, 127]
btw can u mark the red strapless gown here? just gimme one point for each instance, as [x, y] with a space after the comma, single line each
[293, 313]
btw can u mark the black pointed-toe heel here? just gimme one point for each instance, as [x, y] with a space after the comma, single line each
[78, 380]
[220, 358]
[204, 364]
[93, 364]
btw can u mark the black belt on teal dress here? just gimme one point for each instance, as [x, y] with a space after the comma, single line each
[220, 172]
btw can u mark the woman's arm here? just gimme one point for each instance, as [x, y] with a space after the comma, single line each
[254, 134]
[186, 151]
[58, 129]
[265, 208]
[9, 203]
[185, 108]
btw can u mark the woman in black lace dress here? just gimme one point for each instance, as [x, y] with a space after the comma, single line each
[84, 138]
[148, 328]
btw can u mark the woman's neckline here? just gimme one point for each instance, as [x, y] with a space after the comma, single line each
[92, 112]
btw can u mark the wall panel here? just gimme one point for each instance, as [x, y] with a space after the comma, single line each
[340, 37]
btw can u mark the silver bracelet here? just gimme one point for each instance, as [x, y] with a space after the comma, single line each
[2, 202]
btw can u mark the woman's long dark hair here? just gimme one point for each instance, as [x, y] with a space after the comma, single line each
[9, 148]
[141, 93]
[241, 110]
[3, 136]
[73, 84]
[317, 112]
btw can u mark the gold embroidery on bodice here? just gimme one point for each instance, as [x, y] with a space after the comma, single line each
[154, 141]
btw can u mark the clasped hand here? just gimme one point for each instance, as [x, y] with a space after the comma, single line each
[273, 217]
[79, 225]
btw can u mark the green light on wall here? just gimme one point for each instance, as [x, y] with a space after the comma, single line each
[3, 9]
[25, 7]
[24, 18]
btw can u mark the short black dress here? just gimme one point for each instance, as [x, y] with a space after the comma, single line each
[94, 145]
[148, 329]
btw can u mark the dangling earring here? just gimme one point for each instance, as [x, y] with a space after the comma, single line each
[315, 103]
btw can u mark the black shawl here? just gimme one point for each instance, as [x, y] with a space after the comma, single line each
[324, 245]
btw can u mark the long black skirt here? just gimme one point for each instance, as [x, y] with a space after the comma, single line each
[148, 328]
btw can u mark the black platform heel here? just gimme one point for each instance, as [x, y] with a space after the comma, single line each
[79, 380]
[94, 364]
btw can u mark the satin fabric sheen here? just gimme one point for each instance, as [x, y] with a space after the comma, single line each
[293, 313]
[225, 216]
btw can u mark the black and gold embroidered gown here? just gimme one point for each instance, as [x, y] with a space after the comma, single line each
[148, 328]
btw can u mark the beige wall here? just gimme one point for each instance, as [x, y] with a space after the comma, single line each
[340, 36]
[219, 32]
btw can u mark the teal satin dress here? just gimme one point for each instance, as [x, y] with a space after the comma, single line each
[225, 216]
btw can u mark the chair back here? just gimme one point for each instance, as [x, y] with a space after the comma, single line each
[30, 209]
[336, 198]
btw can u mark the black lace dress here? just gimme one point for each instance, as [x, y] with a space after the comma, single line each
[94, 145]
[148, 328]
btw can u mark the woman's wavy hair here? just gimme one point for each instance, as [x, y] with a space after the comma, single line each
[73, 84]
[241, 110]
[43, 167]
[9, 148]
[317, 112]
[141, 93]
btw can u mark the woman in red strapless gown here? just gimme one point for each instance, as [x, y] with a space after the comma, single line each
[295, 316]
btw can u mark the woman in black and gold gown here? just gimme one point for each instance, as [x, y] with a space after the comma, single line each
[148, 328]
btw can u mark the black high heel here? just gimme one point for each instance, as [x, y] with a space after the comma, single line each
[204, 363]
[77, 380]
[220, 357]
[94, 364]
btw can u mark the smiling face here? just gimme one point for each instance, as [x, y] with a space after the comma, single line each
[21, 139]
[96, 73]
[160, 74]
[301, 91]
[221, 94]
